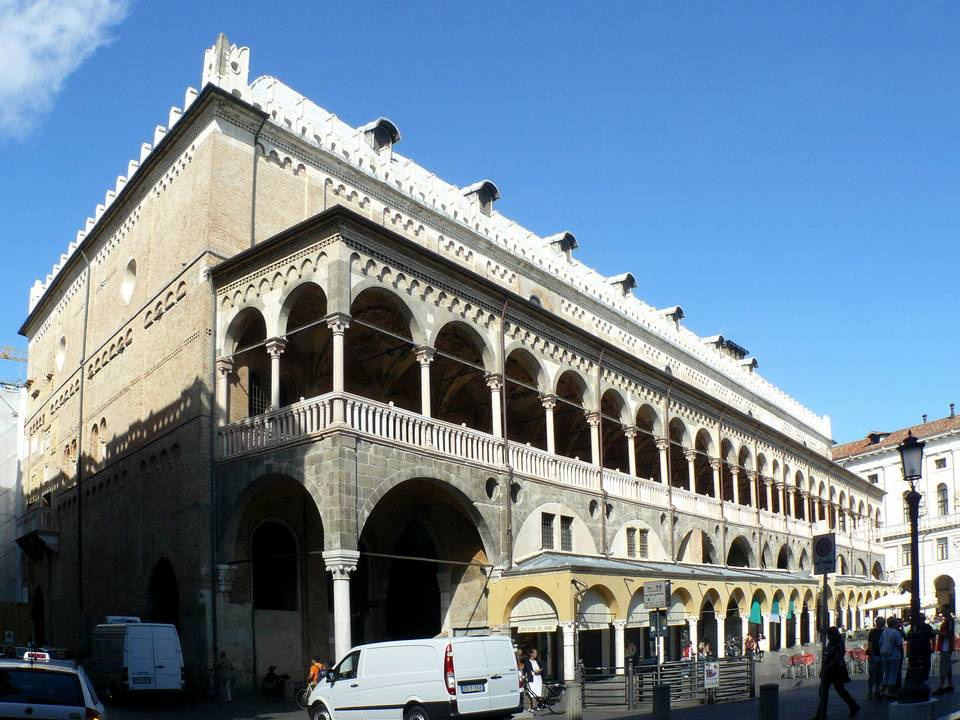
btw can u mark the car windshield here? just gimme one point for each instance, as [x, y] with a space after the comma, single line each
[40, 687]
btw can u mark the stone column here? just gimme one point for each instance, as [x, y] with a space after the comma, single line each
[593, 420]
[275, 347]
[744, 629]
[338, 326]
[831, 617]
[569, 669]
[752, 480]
[692, 632]
[663, 447]
[735, 484]
[812, 626]
[783, 630]
[768, 486]
[340, 563]
[715, 465]
[549, 402]
[721, 637]
[425, 357]
[630, 432]
[495, 383]
[619, 646]
[224, 370]
[765, 628]
[691, 456]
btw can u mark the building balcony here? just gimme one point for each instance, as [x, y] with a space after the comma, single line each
[927, 525]
[38, 531]
[317, 417]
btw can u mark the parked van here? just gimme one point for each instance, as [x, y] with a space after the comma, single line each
[432, 679]
[135, 657]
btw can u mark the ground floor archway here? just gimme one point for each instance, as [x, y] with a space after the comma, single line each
[163, 594]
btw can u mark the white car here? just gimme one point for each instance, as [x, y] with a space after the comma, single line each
[430, 679]
[39, 688]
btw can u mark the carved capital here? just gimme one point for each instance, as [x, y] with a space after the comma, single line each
[716, 464]
[494, 382]
[630, 432]
[549, 402]
[225, 366]
[276, 346]
[226, 575]
[338, 323]
[752, 475]
[425, 354]
[593, 419]
[662, 443]
[619, 624]
[340, 563]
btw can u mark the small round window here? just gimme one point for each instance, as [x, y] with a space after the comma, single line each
[61, 352]
[129, 280]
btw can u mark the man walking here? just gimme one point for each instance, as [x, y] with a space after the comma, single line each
[945, 640]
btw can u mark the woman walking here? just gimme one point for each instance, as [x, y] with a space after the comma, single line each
[833, 673]
[891, 650]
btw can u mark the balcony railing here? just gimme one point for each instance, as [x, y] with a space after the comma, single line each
[309, 419]
[927, 524]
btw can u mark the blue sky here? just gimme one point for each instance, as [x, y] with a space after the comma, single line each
[787, 172]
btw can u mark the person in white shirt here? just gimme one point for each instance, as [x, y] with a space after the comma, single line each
[533, 673]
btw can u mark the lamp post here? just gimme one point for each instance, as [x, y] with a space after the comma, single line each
[915, 687]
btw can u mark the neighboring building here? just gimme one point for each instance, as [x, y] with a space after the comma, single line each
[322, 396]
[876, 459]
[12, 410]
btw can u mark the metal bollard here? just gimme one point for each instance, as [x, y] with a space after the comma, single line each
[631, 686]
[661, 702]
[769, 706]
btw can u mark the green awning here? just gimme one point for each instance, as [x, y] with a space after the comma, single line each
[775, 610]
[755, 616]
[790, 610]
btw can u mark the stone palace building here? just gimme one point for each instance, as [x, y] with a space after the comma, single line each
[291, 391]
[876, 459]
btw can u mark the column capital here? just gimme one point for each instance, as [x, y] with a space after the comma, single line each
[630, 432]
[494, 381]
[276, 346]
[693, 620]
[619, 624]
[593, 418]
[549, 401]
[752, 475]
[716, 463]
[425, 354]
[567, 627]
[225, 366]
[226, 575]
[767, 481]
[338, 323]
[690, 455]
[663, 443]
[340, 563]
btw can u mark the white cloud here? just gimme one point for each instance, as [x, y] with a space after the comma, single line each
[41, 43]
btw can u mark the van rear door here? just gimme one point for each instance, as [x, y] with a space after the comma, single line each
[504, 680]
[166, 658]
[472, 676]
[140, 657]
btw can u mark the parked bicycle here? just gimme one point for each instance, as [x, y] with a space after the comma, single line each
[301, 693]
[549, 701]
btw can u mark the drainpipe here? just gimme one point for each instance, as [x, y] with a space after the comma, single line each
[603, 494]
[253, 187]
[723, 515]
[214, 631]
[669, 478]
[83, 364]
[503, 425]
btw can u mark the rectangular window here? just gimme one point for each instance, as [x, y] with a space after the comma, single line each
[546, 531]
[875, 478]
[566, 533]
[943, 552]
[631, 542]
[905, 555]
[940, 463]
[642, 543]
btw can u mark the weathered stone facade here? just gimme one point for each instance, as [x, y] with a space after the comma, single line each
[315, 377]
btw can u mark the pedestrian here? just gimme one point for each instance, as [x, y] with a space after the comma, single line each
[225, 676]
[927, 636]
[707, 650]
[891, 650]
[833, 673]
[761, 645]
[533, 675]
[945, 640]
[875, 660]
[903, 652]
[749, 646]
[701, 651]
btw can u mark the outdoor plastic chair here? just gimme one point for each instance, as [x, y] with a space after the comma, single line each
[786, 668]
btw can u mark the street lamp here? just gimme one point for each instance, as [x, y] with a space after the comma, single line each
[915, 688]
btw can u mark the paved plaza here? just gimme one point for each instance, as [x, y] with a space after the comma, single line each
[798, 701]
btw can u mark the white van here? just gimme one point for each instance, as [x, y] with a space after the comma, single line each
[135, 657]
[430, 679]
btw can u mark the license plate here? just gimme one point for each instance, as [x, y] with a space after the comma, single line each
[142, 681]
[471, 687]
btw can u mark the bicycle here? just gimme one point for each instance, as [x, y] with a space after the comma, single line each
[549, 701]
[302, 694]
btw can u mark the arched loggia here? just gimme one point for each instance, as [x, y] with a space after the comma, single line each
[614, 440]
[570, 422]
[679, 473]
[648, 455]
[701, 464]
[306, 365]
[459, 391]
[526, 418]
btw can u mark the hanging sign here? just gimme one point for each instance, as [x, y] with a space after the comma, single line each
[656, 594]
[824, 554]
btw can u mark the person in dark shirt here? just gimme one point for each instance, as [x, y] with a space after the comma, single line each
[945, 641]
[875, 677]
[833, 673]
